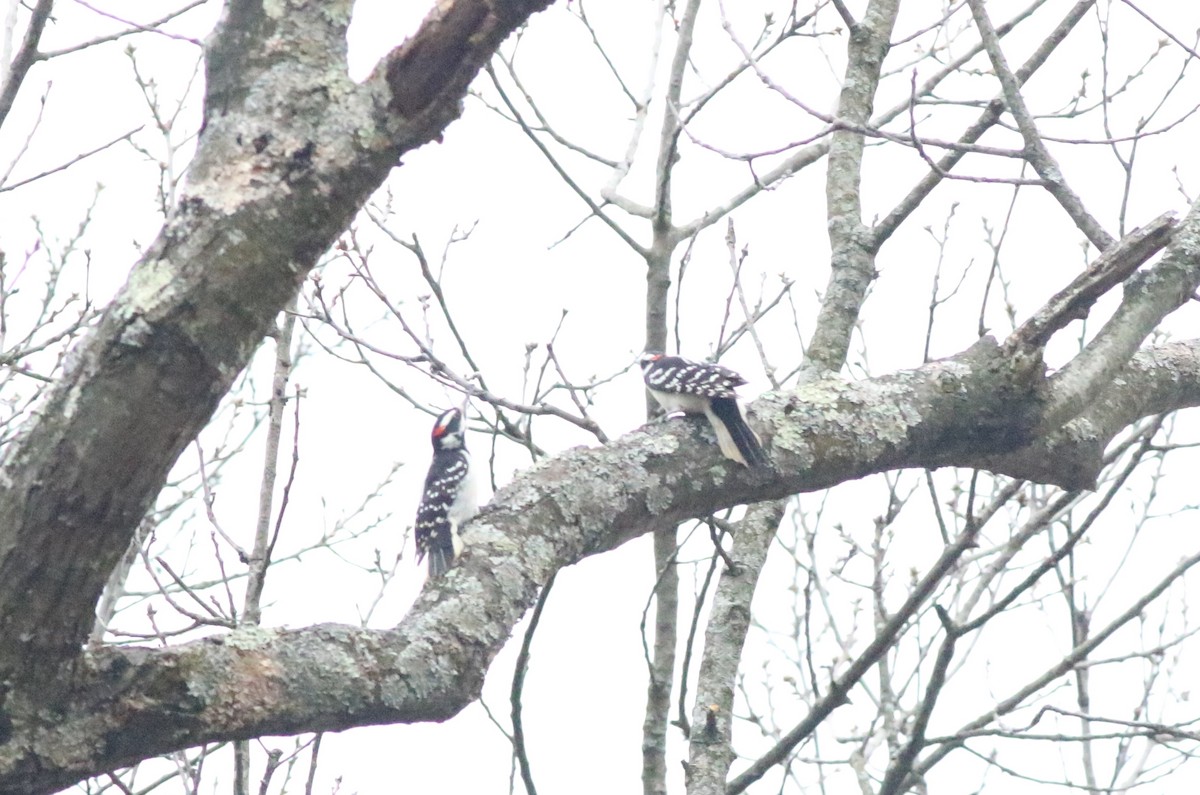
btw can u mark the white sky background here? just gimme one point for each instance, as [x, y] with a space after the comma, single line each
[509, 285]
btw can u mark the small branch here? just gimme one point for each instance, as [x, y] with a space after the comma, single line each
[1164, 31]
[735, 265]
[260, 556]
[518, 685]
[134, 27]
[115, 587]
[1149, 297]
[595, 208]
[1111, 268]
[27, 55]
[841, 686]
[959, 147]
[273, 757]
[573, 391]
[4, 188]
[710, 751]
[898, 771]
[668, 143]
[1035, 150]
[213, 618]
[1068, 662]
[662, 664]
[990, 116]
[845, 14]
[312, 764]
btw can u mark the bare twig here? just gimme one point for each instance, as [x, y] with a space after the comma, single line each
[134, 27]
[518, 685]
[1108, 270]
[1035, 150]
[840, 687]
[26, 56]
[259, 560]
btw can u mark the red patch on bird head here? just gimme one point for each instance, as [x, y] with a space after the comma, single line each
[443, 424]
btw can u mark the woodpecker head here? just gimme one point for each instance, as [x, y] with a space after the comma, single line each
[448, 430]
[647, 359]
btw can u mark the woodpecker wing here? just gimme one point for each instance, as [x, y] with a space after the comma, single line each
[677, 375]
[440, 508]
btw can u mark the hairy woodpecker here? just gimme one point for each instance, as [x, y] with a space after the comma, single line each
[449, 497]
[679, 384]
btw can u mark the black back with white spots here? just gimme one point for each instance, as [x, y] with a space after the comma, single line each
[446, 501]
[677, 375]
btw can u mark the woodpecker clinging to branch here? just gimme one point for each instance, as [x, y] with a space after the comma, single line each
[680, 384]
[449, 497]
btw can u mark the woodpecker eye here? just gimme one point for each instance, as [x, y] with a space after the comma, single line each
[647, 358]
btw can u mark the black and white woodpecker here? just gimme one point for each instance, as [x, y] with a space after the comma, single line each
[679, 384]
[449, 497]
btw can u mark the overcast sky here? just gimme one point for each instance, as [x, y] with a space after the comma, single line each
[527, 261]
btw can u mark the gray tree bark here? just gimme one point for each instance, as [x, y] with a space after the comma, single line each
[124, 704]
[290, 151]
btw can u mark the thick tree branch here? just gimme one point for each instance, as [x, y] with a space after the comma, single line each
[1149, 297]
[1157, 380]
[852, 260]
[128, 703]
[711, 742]
[431, 71]
[266, 198]
[289, 151]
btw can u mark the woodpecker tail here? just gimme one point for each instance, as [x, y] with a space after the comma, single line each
[439, 561]
[738, 440]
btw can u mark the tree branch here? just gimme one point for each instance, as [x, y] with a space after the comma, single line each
[265, 202]
[885, 228]
[127, 703]
[852, 261]
[1148, 298]
[836, 694]
[1035, 150]
[27, 55]
[710, 753]
[1111, 268]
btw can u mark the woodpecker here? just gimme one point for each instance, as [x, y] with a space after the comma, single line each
[679, 384]
[449, 497]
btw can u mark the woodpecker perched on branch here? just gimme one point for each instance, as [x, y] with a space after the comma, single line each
[449, 497]
[680, 384]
